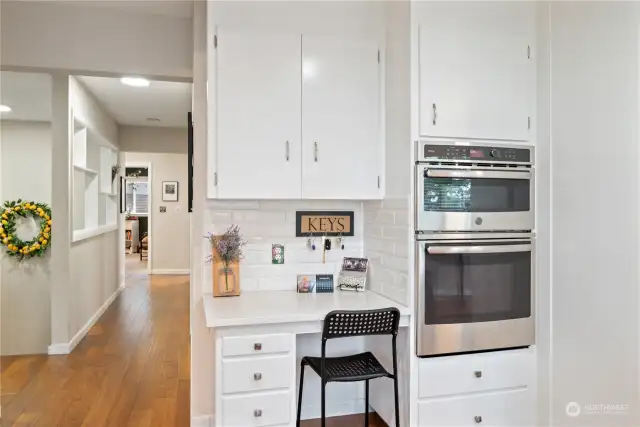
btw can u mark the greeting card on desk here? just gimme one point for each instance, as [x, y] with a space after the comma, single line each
[353, 276]
[306, 283]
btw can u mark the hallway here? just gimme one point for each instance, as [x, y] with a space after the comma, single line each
[131, 370]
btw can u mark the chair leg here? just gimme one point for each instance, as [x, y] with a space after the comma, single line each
[300, 396]
[322, 416]
[366, 404]
[395, 392]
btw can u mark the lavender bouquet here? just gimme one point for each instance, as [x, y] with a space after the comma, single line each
[227, 249]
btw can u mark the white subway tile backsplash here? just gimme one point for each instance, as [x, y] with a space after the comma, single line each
[396, 204]
[402, 218]
[395, 263]
[401, 249]
[267, 222]
[231, 205]
[387, 245]
[247, 216]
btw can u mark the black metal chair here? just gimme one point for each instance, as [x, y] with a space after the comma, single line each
[357, 367]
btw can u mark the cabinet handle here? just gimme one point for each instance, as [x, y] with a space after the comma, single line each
[477, 419]
[315, 151]
[257, 346]
[257, 413]
[435, 114]
[257, 376]
[478, 374]
[287, 151]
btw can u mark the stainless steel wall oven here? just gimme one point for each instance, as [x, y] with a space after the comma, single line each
[475, 281]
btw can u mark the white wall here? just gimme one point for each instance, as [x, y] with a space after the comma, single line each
[169, 232]
[94, 263]
[595, 182]
[543, 215]
[26, 173]
[75, 36]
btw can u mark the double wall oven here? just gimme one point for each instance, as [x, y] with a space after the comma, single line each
[474, 246]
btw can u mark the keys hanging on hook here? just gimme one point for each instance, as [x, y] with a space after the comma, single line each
[311, 242]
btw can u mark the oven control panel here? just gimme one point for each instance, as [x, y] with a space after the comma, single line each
[476, 153]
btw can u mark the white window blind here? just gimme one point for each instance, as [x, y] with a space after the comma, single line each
[137, 198]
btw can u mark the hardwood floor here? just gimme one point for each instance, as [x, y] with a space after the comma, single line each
[131, 370]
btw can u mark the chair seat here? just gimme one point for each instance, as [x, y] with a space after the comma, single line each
[357, 367]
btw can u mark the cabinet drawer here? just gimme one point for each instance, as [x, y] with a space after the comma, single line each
[256, 344]
[264, 409]
[256, 374]
[475, 372]
[508, 408]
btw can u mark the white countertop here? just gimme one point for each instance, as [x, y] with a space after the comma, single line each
[269, 307]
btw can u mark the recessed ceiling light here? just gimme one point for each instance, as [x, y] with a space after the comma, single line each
[135, 81]
[5, 109]
[153, 119]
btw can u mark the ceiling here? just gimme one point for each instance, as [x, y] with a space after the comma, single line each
[168, 101]
[28, 95]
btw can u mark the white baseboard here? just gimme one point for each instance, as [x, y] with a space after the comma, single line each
[67, 348]
[203, 421]
[179, 271]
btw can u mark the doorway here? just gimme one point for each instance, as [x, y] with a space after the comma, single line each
[137, 190]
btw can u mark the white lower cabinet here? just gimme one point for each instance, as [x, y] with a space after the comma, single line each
[255, 374]
[485, 389]
[506, 408]
[257, 410]
[255, 381]
[443, 376]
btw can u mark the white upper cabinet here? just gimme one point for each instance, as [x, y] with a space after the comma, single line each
[295, 117]
[476, 70]
[341, 129]
[258, 83]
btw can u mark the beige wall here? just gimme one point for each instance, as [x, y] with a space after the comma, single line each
[94, 262]
[169, 231]
[25, 299]
[146, 139]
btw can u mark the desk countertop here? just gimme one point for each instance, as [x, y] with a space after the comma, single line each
[271, 307]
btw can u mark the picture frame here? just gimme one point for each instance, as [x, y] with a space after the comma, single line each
[169, 191]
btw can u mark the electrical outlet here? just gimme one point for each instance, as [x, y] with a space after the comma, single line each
[163, 209]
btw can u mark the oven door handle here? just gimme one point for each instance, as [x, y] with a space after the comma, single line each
[454, 173]
[492, 249]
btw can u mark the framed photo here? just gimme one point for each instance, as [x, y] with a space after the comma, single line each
[306, 283]
[169, 191]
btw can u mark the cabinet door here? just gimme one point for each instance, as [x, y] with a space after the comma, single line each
[476, 70]
[341, 139]
[505, 409]
[258, 115]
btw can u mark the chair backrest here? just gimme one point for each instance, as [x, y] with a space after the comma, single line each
[345, 323]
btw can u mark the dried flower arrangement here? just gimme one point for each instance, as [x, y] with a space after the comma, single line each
[227, 249]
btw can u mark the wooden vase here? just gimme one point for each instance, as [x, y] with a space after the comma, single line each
[226, 279]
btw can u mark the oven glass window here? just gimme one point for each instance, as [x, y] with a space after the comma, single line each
[479, 287]
[476, 195]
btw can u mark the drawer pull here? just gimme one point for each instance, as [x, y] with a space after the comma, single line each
[257, 376]
[478, 374]
[257, 346]
[477, 419]
[258, 413]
